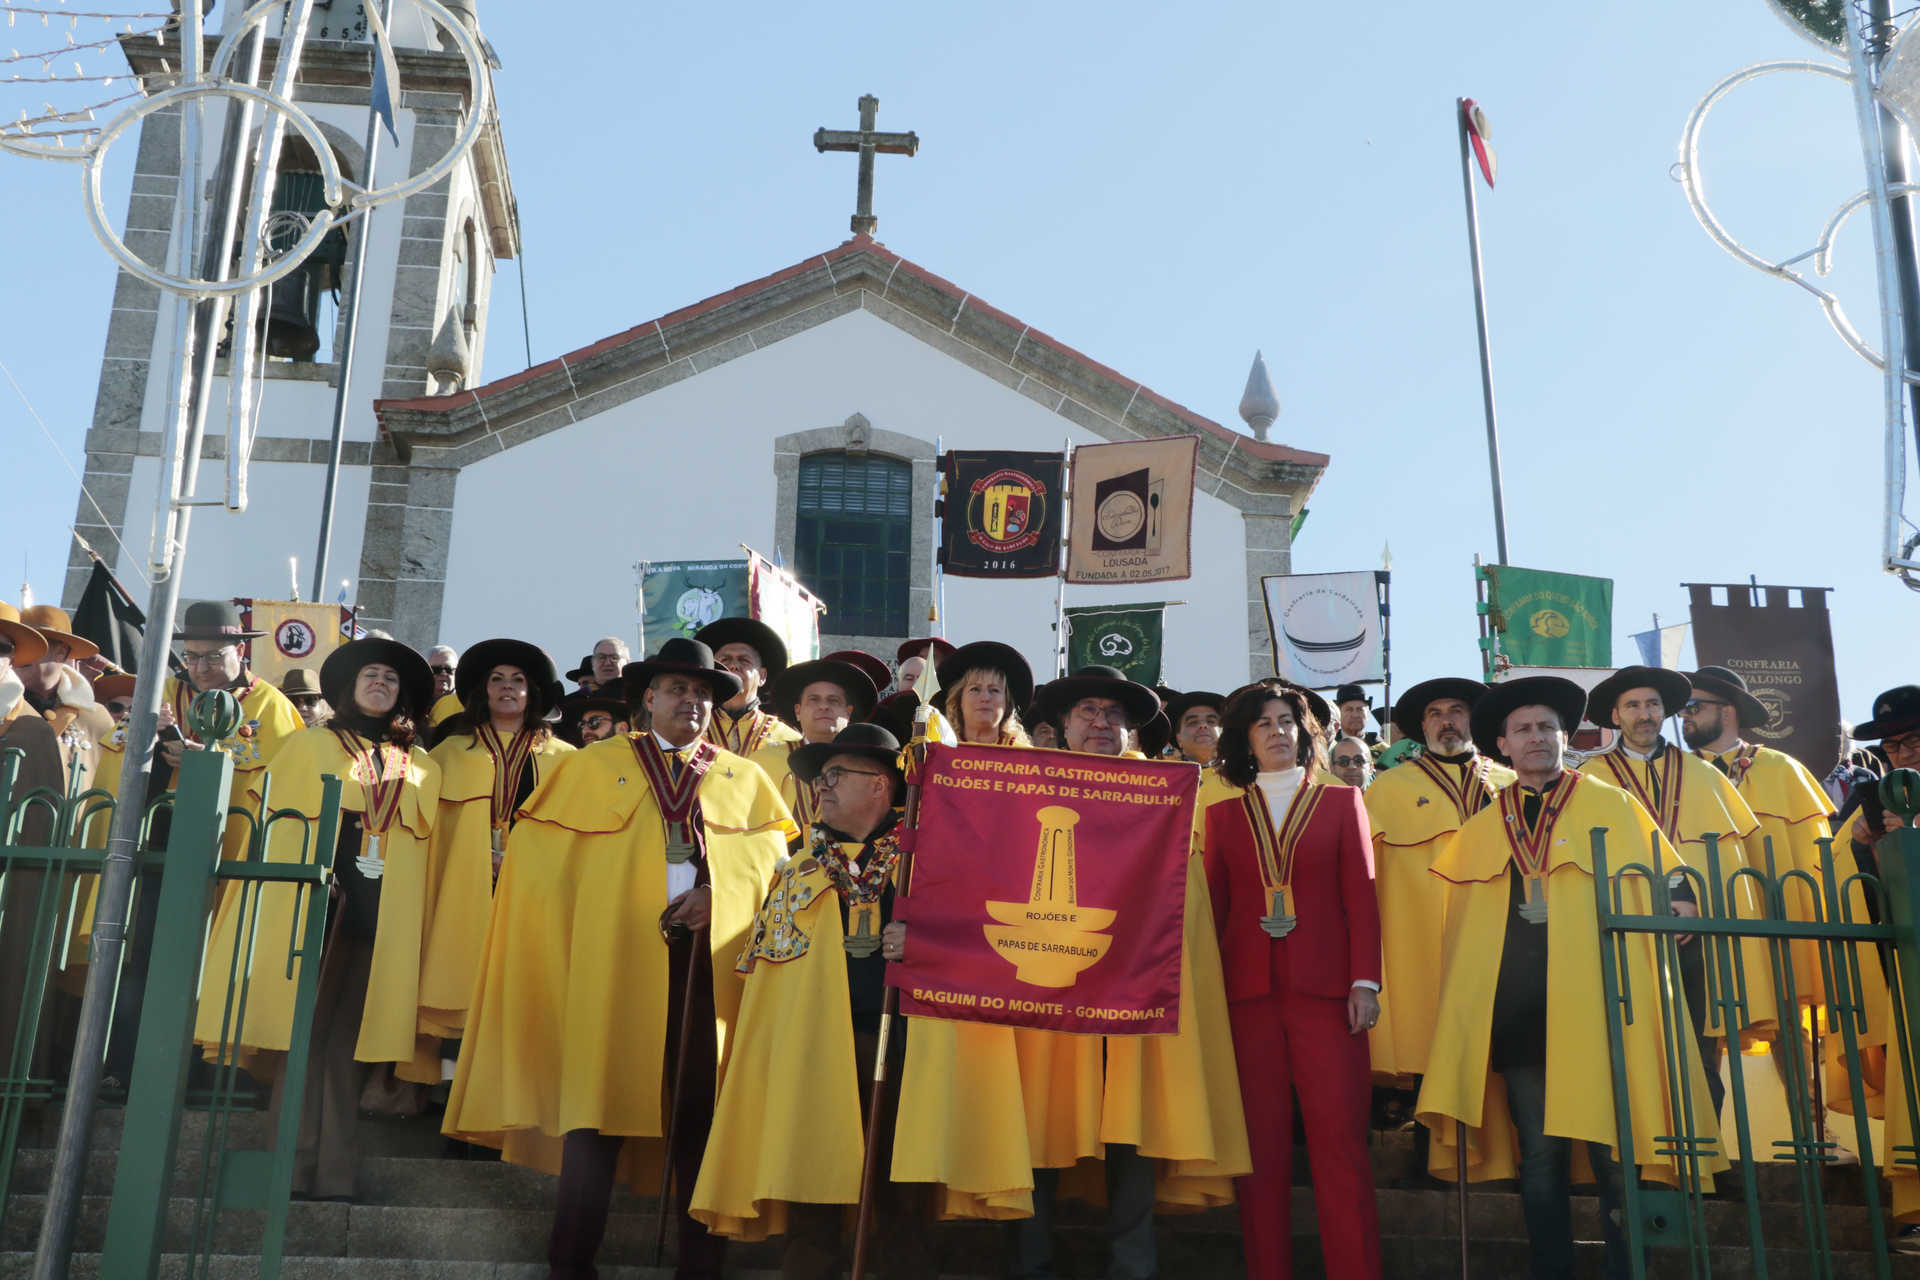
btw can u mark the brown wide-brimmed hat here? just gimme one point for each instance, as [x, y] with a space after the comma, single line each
[1673, 687]
[52, 622]
[722, 632]
[680, 655]
[343, 664]
[29, 646]
[300, 682]
[1410, 708]
[111, 685]
[216, 620]
[1490, 714]
[873, 668]
[1730, 686]
[917, 648]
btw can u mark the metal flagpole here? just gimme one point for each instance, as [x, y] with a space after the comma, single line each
[351, 323]
[1384, 579]
[1060, 597]
[1465, 114]
[937, 611]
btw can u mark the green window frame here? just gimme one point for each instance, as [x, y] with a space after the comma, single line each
[853, 533]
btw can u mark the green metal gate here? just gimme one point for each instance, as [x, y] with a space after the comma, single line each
[1677, 1218]
[43, 874]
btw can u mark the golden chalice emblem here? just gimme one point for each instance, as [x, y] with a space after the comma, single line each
[1050, 939]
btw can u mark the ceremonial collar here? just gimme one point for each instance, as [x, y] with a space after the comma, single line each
[1460, 760]
[667, 748]
[1546, 792]
[840, 837]
[1631, 754]
[741, 714]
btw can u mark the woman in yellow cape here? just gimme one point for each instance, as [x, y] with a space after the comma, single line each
[367, 1010]
[494, 753]
[983, 1107]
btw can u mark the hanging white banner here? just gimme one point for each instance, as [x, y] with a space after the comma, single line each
[1326, 627]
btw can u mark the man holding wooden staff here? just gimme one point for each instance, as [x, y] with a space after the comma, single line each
[585, 1017]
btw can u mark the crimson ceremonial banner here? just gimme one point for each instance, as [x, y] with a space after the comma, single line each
[1049, 891]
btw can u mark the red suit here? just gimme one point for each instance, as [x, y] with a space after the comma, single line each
[1287, 1001]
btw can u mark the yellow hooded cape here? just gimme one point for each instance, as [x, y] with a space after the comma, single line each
[1413, 819]
[389, 1028]
[566, 1027]
[787, 1126]
[1710, 806]
[460, 876]
[1459, 1088]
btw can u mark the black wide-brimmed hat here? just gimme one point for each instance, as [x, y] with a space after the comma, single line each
[894, 713]
[582, 672]
[1673, 687]
[215, 620]
[1732, 686]
[722, 632]
[1141, 703]
[1499, 701]
[993, 656]
[679, 656]
[873, 668]
[861, 738]
[343, 664]
[1181, 703]
[917, 648]
[1351, 693]
[793, 682]
[478, 662]
[1895, 712]
[1155, 734]
[1410, 708]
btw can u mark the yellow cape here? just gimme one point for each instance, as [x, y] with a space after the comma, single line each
[566, 1026]
[388, 1030]
[736, 735]
[775, 761]
[787, 1125]
[1459, 1087]
[982, 1106]
[460, 876]
[445, 707]
[1412, 820]
[1710, 806]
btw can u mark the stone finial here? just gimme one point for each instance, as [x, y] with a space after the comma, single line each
[1259, 406]
[449, 357]
[857, 428]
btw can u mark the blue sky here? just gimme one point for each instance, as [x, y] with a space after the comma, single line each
[1168, 189]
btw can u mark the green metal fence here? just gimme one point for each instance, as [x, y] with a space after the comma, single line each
[1677, 1218]
[43, 870]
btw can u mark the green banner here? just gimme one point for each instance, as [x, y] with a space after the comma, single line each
[1551, 619]
[678, 597]
[1127, 636]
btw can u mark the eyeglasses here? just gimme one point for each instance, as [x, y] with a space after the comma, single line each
[1348, 762]
[212, 659]
[441, 670]
[1905, 743]
[597, 723]
[1112, 715]
[1694, 704]
[831, 777]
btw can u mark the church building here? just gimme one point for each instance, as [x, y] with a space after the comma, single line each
[797, 413]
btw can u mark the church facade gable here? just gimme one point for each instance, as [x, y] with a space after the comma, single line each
[859, 337]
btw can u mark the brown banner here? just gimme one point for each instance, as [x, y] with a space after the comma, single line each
[1131, 517]
[1784, 651]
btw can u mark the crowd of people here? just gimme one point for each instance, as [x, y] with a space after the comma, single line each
[639, 931]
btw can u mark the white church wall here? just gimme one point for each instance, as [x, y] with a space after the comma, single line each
[545, 535]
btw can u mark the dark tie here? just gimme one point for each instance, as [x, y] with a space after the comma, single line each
[1720, 763]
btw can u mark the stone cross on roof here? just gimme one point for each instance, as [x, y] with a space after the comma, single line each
[867, 142]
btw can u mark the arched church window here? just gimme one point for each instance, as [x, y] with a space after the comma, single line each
[852, 540]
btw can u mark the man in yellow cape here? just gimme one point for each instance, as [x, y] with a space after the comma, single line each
[1414, 812]
[629, 887]
[1689, 800]
[1159, 1115]
[822, 697]
[787, 1145]
[1520, 1052]
[756, 655]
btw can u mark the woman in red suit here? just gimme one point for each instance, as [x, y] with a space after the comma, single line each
[1290, 867]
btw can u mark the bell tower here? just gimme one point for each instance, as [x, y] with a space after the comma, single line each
[429, 263]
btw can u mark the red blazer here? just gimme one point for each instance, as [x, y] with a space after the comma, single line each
[1337, 940]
